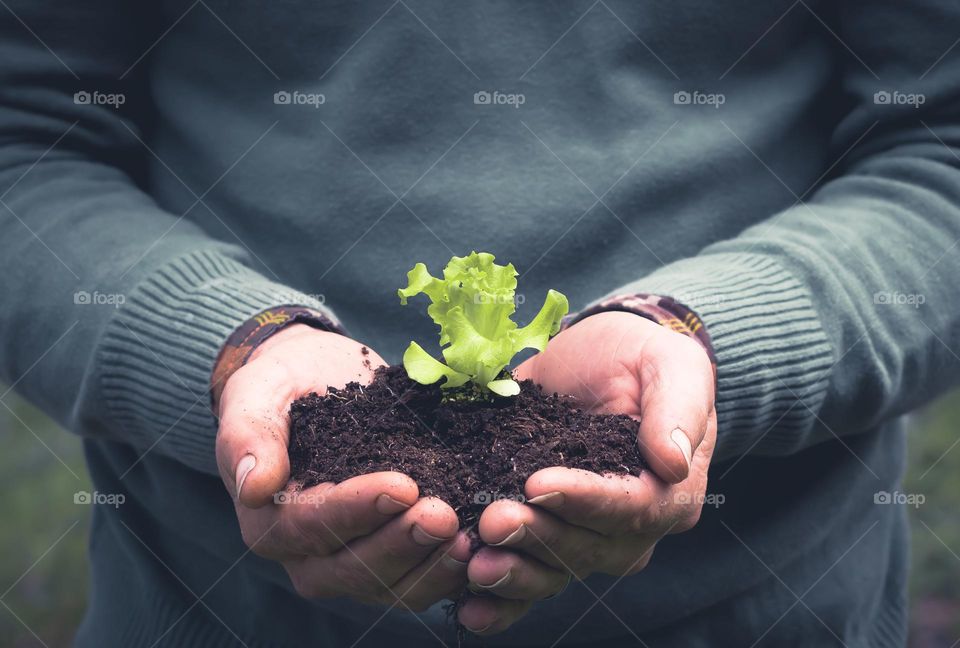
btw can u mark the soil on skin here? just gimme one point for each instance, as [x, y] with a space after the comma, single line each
[466, 453]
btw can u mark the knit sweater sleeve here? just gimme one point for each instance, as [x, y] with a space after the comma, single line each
[840, 312]
[114, 309]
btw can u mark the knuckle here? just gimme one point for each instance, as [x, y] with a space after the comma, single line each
[254, 541]
[307, 587]
[688, 521]
[357, 581]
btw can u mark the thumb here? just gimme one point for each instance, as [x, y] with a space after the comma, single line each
[676, 400]
[527, 370]
[254, 433]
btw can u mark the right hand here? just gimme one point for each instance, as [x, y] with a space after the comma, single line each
[369, 538]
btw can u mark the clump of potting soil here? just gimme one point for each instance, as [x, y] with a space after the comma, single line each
[467, 452]
[462, 428]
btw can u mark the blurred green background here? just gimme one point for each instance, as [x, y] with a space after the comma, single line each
[43, 569]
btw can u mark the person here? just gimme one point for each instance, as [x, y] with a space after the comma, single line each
[211, 200]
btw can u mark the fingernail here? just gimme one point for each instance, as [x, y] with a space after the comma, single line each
[513, 538]
[682, 442]
[552, 500]
[244, 466]
[506, 578]
[479, 630]
[389, 506]
[564, 589]
[453, 564]
[423, 538]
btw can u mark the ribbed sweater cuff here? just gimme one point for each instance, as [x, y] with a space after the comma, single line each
[158, 352]
[773, 355]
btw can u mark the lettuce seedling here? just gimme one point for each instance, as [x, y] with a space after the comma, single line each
[472, 305]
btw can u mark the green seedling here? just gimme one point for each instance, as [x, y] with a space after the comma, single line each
[472, 305]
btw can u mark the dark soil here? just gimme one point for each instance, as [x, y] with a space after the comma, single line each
[467, 453]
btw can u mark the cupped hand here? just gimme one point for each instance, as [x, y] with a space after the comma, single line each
[370, 538]
[575, 522]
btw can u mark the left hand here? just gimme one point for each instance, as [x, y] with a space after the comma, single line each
[576, 522]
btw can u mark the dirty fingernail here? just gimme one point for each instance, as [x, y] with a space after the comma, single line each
[552, 500]
[506, 578]
[389, 506]
[453, 564]
[478, 630]
[244, 466]
[513, 538]
[423, 538]
[682, 442]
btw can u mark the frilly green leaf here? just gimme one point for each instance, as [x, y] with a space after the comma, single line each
[472, 305]
[426, 370]
[544, 326]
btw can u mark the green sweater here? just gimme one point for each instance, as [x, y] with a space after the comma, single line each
[789, 170]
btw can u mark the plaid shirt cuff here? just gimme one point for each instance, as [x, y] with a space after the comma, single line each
[663, 310]
[252, 333]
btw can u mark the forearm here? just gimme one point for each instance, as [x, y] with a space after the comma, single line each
[115, 309]
[798, 310]
[839, 312]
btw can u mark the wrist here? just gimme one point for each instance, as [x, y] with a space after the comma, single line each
[661, 310]
[260, 330]
[295, 331]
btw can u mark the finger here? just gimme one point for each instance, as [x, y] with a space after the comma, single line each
[368, 567]
[488, 616]
[442, 575]
[526, 370]
[255, 408]
[254, 429]
[546, 537]
[676, 400]
[607, 504]
[321, 520]
[512, 575]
